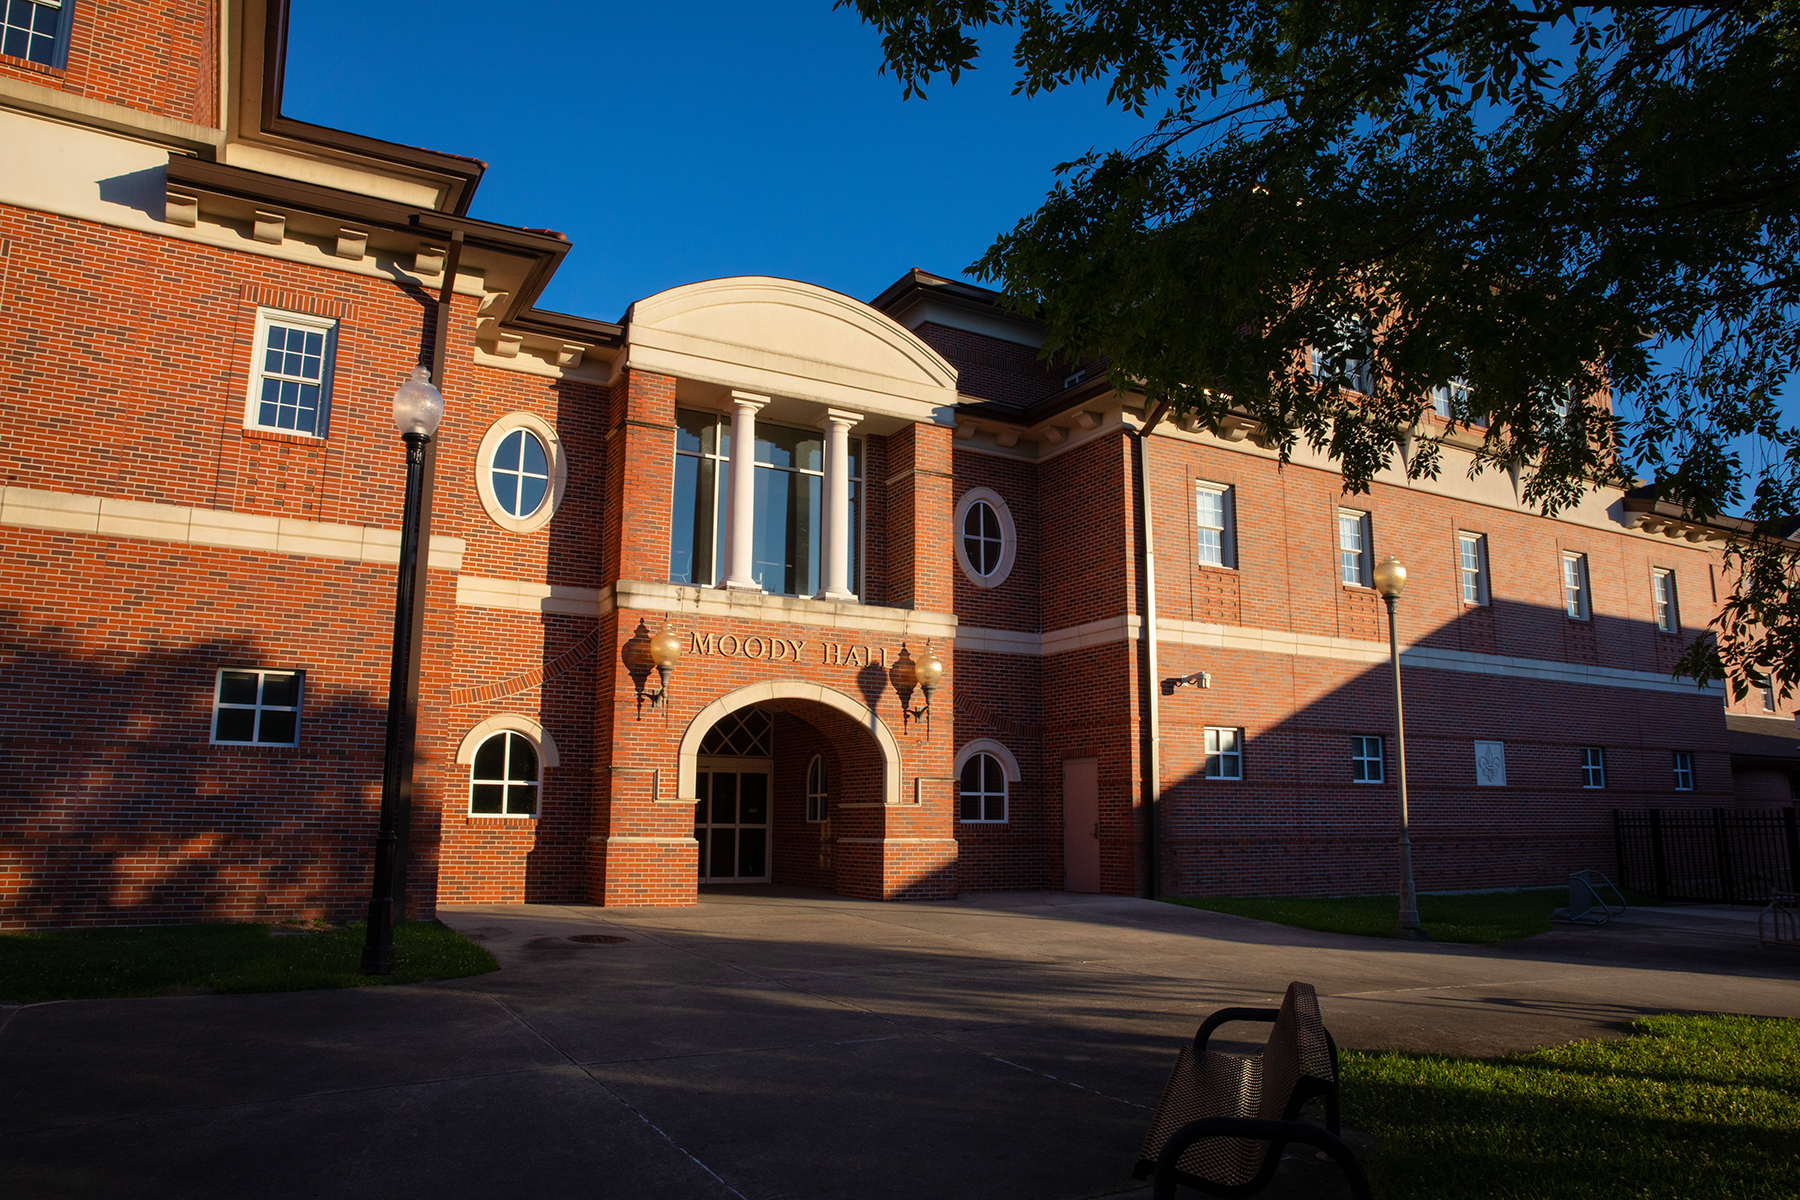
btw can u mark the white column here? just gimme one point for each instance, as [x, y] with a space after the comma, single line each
[740, 514]
[834, 551]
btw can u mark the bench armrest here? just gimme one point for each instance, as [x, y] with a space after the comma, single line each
[1225, 1015]
[1268, 1131]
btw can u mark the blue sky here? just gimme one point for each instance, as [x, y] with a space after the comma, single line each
[690, 140]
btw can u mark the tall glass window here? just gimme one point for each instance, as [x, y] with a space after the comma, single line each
[1662, 589]
[1212, 506]
[790, 520]
[1471, 549]
[1353, 548]
[1575, 586]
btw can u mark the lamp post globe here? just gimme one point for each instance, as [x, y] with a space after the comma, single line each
[418, 407]
[1390, 578]
[665, 652]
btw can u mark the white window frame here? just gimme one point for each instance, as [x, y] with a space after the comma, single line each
[484, 475]
[1665, 599]
[1593, 767]
[507, 783]
[262, 674]
[1576, 586]
[1009, 537]
[1226, 529]
[1766, 687]
[1472, 546]
[818, 790]
[1365, 533]
[1364, 766]
[1684, 770]
[1222, 763]
[1005, 792]
[1444, 398]
[266, 317]
[59, 48]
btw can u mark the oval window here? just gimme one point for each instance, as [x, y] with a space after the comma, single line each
[982, 539]
[521, 473]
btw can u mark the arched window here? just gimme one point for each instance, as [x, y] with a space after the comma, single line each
[816, 805]
[521, 474]
[503, 781]
[986, 540]
[983, 786]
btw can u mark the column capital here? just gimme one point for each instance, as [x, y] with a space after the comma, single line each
[749, 400]
[839, 416]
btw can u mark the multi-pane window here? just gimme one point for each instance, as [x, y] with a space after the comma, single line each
[1351, 349]
[815, 789]
[521, 473]
[1662, 593]
[1471, 567]
[1684, 770]
[504, 780]
[983, 539]
[983, 789]
[1575, 586]
[1365, 758]
[1450, 398]
[257, 707]
[1593, 767]
[1767, 687]
[1224, 753]
[1353, 547]
[1212, 506]
[35, 30]
[788, 530]
[290, 381]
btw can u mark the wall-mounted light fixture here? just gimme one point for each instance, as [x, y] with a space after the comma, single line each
[665, 652]
[1199, 679]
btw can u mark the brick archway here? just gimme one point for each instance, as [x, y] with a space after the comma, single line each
[785, 689]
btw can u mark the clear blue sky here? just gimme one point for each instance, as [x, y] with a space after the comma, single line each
[689, 140]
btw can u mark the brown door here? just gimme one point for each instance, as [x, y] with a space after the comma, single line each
[1081, 825]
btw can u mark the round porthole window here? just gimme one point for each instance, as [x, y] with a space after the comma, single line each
[986, 540]
[519, 472]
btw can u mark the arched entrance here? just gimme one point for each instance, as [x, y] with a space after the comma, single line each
[788, 781]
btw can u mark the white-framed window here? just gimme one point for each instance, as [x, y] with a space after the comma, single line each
[1593, 767]
[818, 806]
[1766, 686]
[505, 777]
[1662, 594]
[1358, 373]
[981, 788]
[1450, 398]
[1365, 758]
[36, 30]
[1214, 524]
[1224, 753]
[1575, 586]
[1353, 547]
[290, 373]
[788, 529]
[255, 707]
[1471, 567]
[521, 472]
[1684, 770]
[986, 538]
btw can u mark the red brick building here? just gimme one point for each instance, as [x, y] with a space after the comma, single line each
[206, 309]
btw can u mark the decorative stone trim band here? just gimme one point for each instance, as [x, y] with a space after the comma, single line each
[67, 512]
[1301, 645]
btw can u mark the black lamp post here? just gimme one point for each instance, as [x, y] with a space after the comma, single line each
[418, 407]
[1390, 578]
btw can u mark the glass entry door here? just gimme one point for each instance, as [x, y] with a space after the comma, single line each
[731, 823]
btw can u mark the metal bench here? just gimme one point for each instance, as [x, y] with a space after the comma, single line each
[1224, 1119]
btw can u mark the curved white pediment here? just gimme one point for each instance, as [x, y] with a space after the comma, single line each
[786, 338]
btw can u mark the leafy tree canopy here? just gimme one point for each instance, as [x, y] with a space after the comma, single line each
[1575, 223]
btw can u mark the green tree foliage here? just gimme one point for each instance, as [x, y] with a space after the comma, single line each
[1578, 221]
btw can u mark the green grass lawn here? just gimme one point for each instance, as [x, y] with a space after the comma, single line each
[1479, 917]
[1686, 1107]
[177, 959]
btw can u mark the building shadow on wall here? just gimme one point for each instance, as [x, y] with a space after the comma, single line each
[1497, 792]
[119, 809]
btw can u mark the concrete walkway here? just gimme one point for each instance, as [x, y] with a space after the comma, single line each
[774, 1043]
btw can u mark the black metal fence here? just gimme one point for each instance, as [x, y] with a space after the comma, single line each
[1719, 855]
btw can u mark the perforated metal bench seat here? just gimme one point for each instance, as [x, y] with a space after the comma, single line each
[1211, 1096]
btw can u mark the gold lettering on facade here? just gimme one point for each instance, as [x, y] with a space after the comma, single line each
[735, 647]
[774, 649]
[762, 647]
[707, 644]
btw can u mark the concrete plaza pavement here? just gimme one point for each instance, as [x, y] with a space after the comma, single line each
[775, 1043]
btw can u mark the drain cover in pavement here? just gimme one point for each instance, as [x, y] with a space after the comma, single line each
[597, 939]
